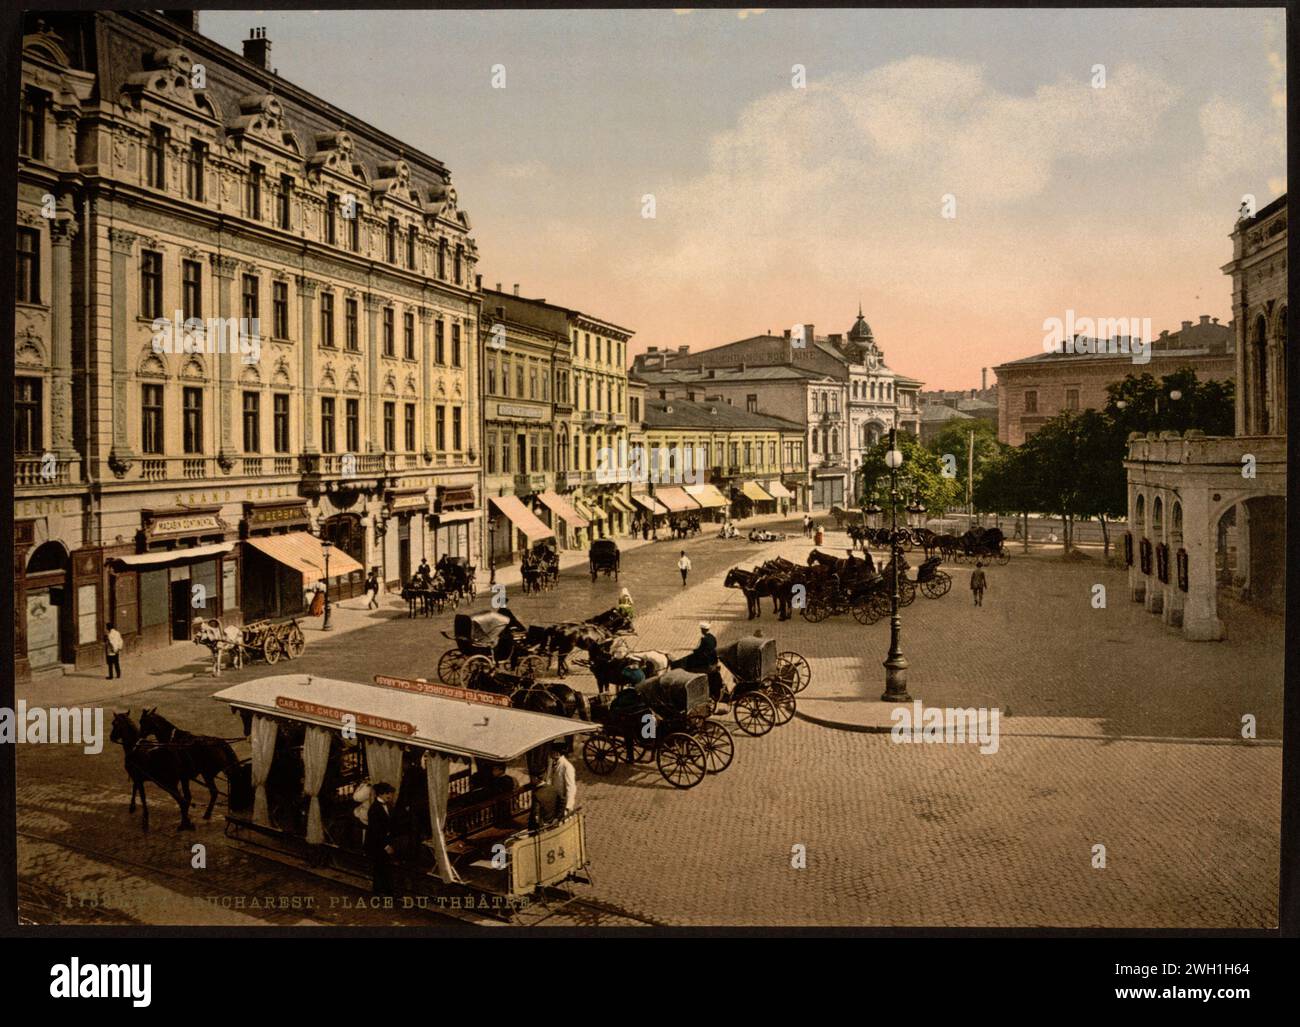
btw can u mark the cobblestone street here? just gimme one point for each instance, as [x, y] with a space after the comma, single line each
[1115, 732]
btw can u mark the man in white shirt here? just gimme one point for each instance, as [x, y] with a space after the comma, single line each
[113, 645]
[557, 792]
[684, 565]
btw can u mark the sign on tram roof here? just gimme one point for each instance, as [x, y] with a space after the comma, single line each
[424, 687]
[427, 719]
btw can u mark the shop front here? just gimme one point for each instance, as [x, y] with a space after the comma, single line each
[347, 533]
[268, 587]
[564, 519]
[407, 508]
[452, 521]
[514, 528]
[713, 504]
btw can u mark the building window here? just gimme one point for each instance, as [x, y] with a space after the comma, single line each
[390, 427]
[28, 268]
[280, 421]
[505, 452]
[505, 376]
[284, 201]
[391, 242]
[587, 392]
[749, 454]
[350, 324]
[196, 169]
[455, 345]
[491, 451]
[29, 436]
[456, 437]
[192, 419]
[151, 419]
[31, 138]
[519, 379]
[408, 336]
[151, 298]
[280, 309]
[327, 424]
[327, 319]
[814, 441]
[634, 407]
[352, 424]
[252, 423]
[408, 423]
[442, 259]
[491, 375]
[332, 218]
[439, 343]
[534, 460]
[460, 257]
[191, 289]
[255, 173]
[410, 247]
[532, 383]
[249, 292]
[156, 157]
[546, 451]
[388, 332]
[1071, 399]
[354, 228]
[1031, 401]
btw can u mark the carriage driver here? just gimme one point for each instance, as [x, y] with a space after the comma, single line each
[703, 659]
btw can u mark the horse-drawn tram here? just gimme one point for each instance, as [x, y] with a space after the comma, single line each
[472, 815]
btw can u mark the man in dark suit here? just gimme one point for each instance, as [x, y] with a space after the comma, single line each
[379, 838]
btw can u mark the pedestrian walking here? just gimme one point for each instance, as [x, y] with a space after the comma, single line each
[113, 645]
[684, 565]
[379, 839]
[372, 590]
[978, 583]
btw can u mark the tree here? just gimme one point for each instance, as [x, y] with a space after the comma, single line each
[1148, 406]
[1056, 453]
[1005, 485]
[921, 474]
[954, 441]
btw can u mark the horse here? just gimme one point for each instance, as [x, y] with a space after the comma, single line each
[202, 756]
[152, 761]
[608, 660]
[744, 580]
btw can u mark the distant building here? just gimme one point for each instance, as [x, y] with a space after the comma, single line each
[1033, 390]
[935, 417]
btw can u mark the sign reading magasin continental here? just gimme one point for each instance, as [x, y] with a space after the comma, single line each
[156, 523]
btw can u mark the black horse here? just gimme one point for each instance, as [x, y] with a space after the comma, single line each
[202, 757]
[152, 761]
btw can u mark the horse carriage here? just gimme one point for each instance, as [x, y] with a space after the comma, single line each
[485, 641]
[426, 595]
[603, 558]
[466, 821]
[762, 694]
[539, 569]
[458, 576]
[667, 724]
[262, 639]
[983, 544]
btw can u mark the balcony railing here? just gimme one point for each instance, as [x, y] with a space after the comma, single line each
[195, 468]
[43, 471]
[251, 466]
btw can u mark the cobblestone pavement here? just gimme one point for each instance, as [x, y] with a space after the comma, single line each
[1123, 738]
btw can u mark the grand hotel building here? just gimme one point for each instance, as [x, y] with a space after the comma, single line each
[161, 172]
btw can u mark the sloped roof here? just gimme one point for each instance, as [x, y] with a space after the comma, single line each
[685, 413]
[942, 412]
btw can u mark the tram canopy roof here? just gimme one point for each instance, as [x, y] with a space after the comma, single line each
[304, 553]
[458, 727]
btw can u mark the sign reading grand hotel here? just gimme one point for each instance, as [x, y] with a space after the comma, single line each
[446, 691]
[398, 727]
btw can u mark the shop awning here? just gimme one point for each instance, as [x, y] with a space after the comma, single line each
[559, 506]
[589, 509]
[707, 496]
[778, 490]
[755, 492]
[304, 553]
[616, 500]
[174, 555]
[650, 505]
[457, 497]
[676, 499]
[522, 518]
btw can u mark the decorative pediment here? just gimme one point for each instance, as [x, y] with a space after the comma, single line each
[353, 383]
[281, 374]
[335, 152]
[46, 45]
[249, 376]
[408, 387]
[327, 380]
[30, 351]
[151, 366]
[168, 76]
[390, 385]
[194, 368]
[261, 116]
[393, 177]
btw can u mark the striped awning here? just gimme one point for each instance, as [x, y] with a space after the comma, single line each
[522, 518]
[616, 500]
[707, 496]
[676, 499]
[650, 505]
[559, 506]
[778, 490]
[304, 553]
[755, 492]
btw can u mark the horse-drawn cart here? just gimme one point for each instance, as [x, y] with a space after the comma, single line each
[603, 558]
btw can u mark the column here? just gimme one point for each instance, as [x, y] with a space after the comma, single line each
[1200, 609]
[62, 231]
[426, 380]
[373, 343]
[307, 288]
[121, 244]
[223, 270]
[1136, 580]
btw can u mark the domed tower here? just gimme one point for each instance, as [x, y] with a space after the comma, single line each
[860, 333]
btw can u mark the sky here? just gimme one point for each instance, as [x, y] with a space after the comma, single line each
[1109, 193]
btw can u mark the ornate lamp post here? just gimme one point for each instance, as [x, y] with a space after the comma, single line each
[895, 663]
[326, 547]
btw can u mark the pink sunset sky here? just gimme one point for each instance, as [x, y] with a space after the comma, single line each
[777, 205]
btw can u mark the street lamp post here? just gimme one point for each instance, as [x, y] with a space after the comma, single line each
[492, 552]
[895, 663]
[326, 547]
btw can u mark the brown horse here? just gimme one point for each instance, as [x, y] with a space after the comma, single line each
[154, 762]
[202, 756]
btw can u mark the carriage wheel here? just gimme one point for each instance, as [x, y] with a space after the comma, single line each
[905, 543]
[793, 670]
[533, 667]
[815, 611]
[1004, 558]
[472, 669]
[755, 713]
[865, 612]
[295, 643]
[782, 700]
[272, 650]
[449, 666]
[600, 753]
[682, 761]
[906, 592]
[881, 601]
[719, 746]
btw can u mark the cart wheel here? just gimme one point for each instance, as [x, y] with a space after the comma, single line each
[944, 583]
[793, 670]
[1004, 558]
[600, 753]
[682, 761]
[295, 642]
[719, 746]
[474, 668]
[865, 612]
[755, 715]
[782, 701]
[815, 611]
[272, 650]
[533, 667]
[449, 666]
[906, 592]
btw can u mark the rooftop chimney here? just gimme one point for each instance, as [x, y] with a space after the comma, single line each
[683, 349]
[1186, 325]
[1205, 319]
[516, 288]
[984, 378]
[257, 48]
[498, 286]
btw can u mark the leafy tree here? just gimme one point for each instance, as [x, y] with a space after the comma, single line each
[1005, 485]
[921, 474]
[954, 440]
[1148, 406]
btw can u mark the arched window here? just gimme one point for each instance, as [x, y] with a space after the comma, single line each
[1140, 512]
[1157, 515]
[873, 390]
[1176, 524]
[1259, 376]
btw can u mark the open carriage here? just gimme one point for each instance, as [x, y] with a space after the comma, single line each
[664, 721]
[485, 641]
[464, 821]
[764, 683]
[603, 558]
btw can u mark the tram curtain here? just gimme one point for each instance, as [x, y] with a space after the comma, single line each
[262, 737]
[438, 772]
[384, 761]
[315, 757]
